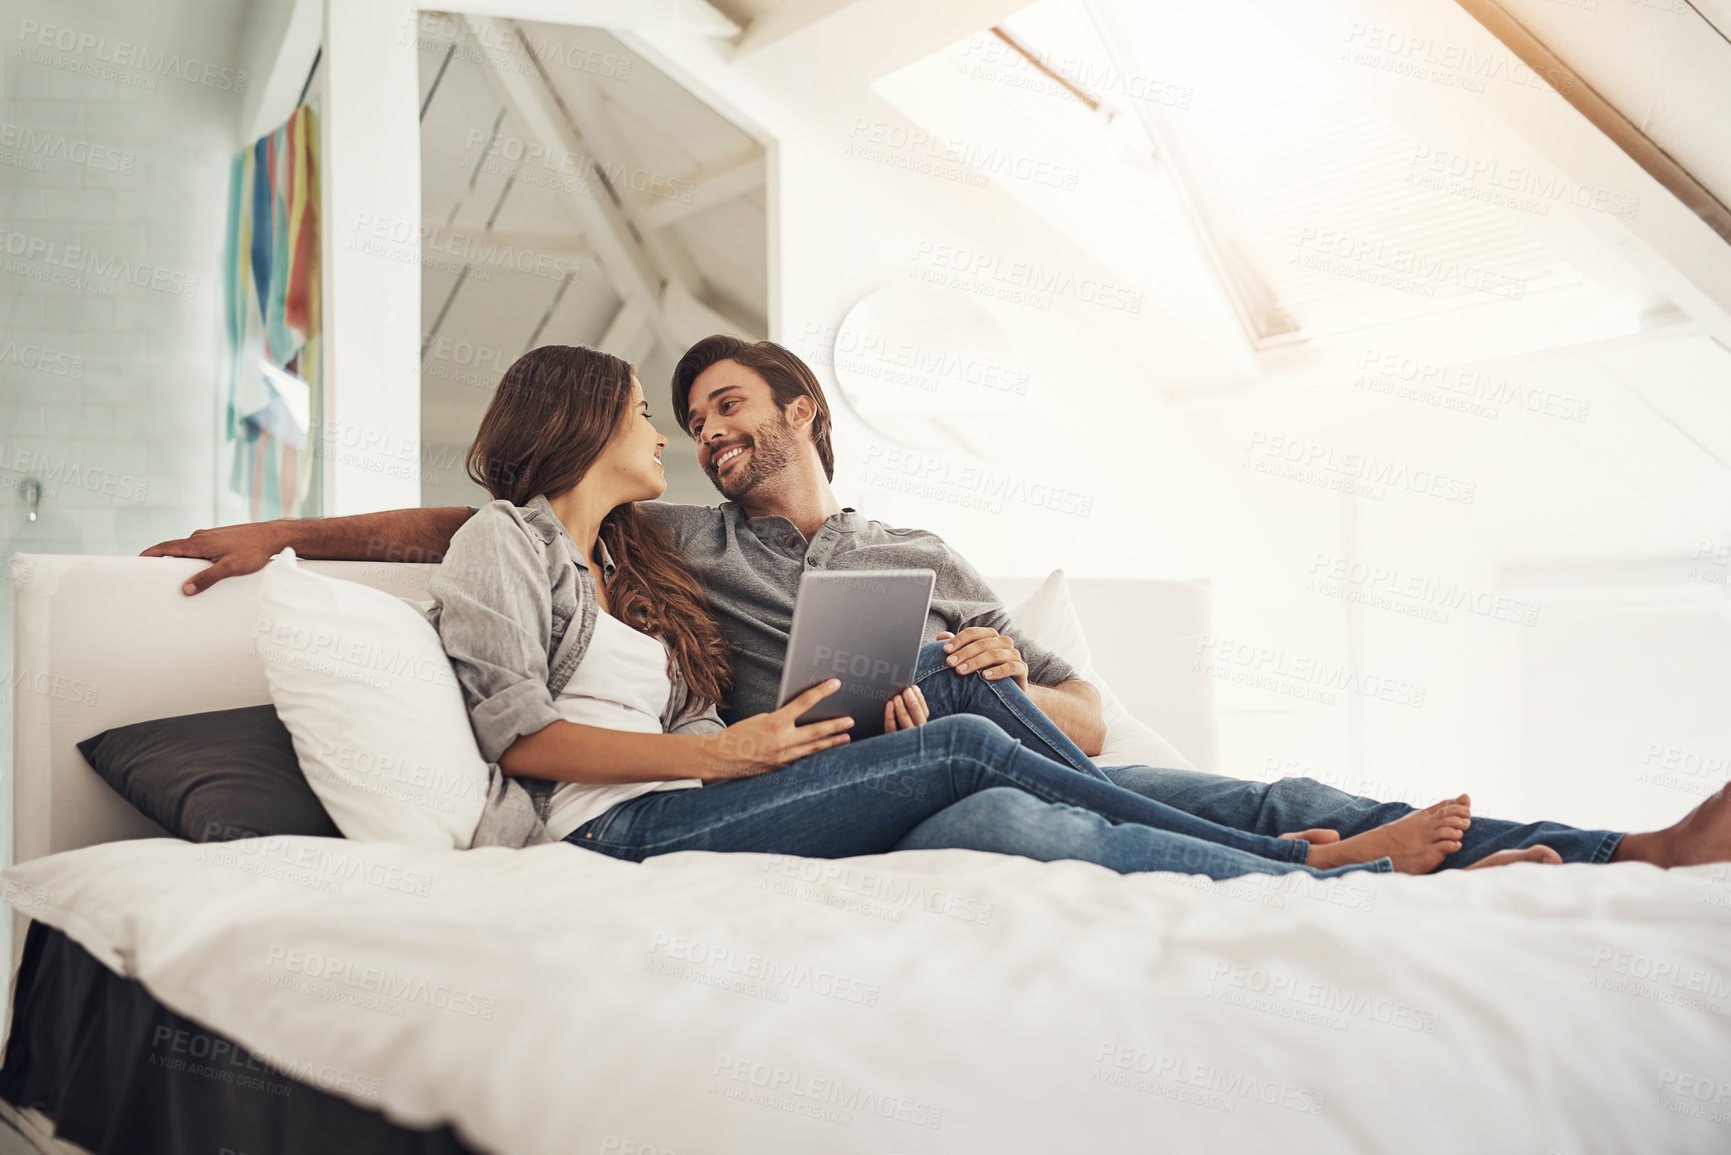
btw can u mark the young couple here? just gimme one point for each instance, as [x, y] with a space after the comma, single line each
[597, 633]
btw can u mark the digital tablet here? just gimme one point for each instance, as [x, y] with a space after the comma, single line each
[864, 627]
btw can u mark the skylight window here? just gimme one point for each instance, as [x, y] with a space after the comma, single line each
[1310, 210]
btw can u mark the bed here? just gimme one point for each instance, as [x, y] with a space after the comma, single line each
[306, 994]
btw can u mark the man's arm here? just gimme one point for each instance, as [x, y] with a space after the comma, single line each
[1072, 704]
[1073, 707]
[396, 535]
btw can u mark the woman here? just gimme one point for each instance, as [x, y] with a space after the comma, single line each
[592, 670]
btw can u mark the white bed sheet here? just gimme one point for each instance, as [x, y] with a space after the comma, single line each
[550, 1000]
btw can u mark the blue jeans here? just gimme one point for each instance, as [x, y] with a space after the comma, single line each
[1002, 824]
[1301, 803]
[865, 797]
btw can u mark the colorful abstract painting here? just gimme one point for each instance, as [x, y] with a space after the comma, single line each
[272, 284]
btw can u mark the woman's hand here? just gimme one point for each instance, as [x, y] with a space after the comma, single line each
[906, 710]
[770, 741]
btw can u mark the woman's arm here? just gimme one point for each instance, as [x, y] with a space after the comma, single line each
[571, 752]
[395, 535]
[494, 613]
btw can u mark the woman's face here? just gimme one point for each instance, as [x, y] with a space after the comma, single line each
[631, 463]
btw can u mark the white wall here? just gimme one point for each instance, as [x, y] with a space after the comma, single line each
[1426, 707]
[371, 434]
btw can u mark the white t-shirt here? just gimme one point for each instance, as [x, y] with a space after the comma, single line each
[621, 684]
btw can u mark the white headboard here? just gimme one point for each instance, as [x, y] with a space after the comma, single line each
[105, 641]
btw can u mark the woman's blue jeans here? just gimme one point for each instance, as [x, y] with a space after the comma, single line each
[865, 797]
[1003, 823]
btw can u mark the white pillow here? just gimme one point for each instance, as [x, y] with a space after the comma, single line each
[1050, 617]
[378, 720]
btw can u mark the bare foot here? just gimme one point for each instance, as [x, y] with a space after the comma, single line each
[1704, 835]
[1542, 854]
[1316, 836]
[1417, 843]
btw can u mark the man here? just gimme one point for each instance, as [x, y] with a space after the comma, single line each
[762, 429]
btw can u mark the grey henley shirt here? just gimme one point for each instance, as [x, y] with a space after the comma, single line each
[750, 569]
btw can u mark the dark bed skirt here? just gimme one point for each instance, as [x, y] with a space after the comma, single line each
[121, 1074]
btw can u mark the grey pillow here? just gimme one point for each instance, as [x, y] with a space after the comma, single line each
[211, 777]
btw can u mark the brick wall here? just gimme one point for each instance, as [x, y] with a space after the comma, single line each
[115, 136]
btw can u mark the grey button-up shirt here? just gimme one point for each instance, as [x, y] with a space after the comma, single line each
[515, 607]
[750, 567]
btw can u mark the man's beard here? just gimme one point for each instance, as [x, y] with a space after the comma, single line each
[772, 448]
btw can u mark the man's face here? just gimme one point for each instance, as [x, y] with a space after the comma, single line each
[743, 437]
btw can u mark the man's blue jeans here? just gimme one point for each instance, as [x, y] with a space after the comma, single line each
[1003, 823]
[864, 798]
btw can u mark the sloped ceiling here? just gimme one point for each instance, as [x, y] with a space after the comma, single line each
[1665, 65]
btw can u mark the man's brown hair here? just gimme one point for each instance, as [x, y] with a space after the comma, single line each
[786, 375]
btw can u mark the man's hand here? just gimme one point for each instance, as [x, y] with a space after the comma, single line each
[396, 535]
[236, 550]
[906, 710]
[770, 741]
[982, 649]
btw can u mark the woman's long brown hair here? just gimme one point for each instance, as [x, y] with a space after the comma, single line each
[554, 412]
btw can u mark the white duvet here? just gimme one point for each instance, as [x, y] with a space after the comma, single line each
[550, 1000]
